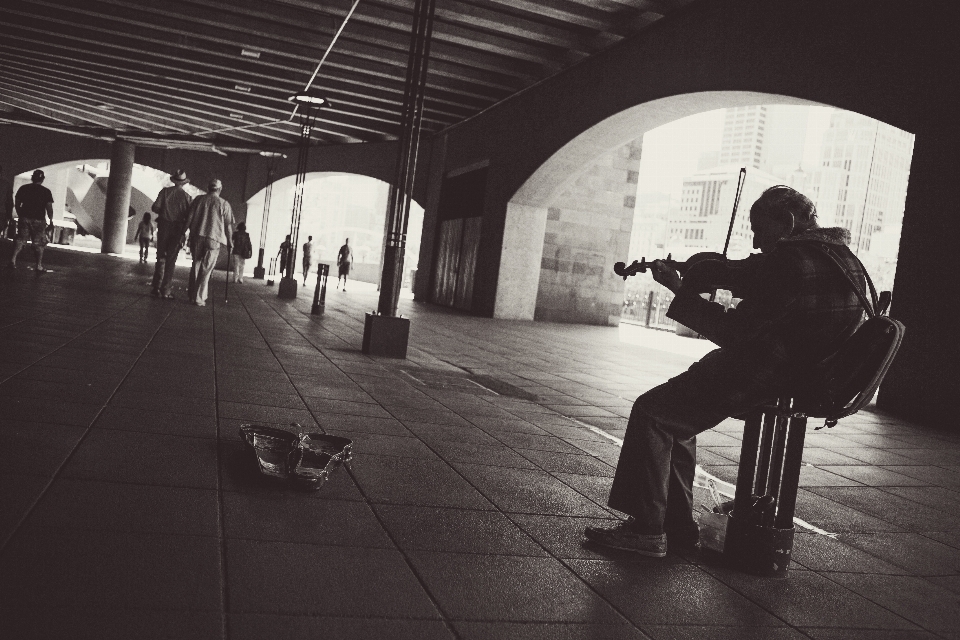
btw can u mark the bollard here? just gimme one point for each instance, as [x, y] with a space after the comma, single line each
[320, 292]
[649, 307]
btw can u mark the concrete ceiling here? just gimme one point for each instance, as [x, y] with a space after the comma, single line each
[216, 74]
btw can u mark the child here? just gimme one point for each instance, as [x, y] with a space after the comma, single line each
[145, 236]
[242, 249]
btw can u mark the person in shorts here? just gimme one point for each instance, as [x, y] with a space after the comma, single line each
[344, 258]
[34, 204]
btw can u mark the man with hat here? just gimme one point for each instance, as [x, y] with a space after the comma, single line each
[34, 204]
[172, 208]
[211, 225]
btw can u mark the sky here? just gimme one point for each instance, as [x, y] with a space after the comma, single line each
[671, 152]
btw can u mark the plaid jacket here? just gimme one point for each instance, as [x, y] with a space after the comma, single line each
[799, 309]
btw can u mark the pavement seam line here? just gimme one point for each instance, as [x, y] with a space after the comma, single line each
[89, 428]
[366, 499]
[224, 585]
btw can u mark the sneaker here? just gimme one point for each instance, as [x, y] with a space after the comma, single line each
[169, 295]
[200, 304]
[622, 536]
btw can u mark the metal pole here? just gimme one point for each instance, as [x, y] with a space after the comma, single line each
[258, 272]
[398, 210]
[288, 284]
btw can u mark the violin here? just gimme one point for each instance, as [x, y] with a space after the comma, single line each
[622, 270]
[705, 272]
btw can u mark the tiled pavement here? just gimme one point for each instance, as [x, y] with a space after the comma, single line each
[129, 508]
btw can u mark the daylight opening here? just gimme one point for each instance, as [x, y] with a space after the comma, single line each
[854, 168]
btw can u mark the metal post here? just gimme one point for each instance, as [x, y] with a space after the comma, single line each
[792, 463]
[649, 307]
[288, 284]
[766, 446]
[385, 334]
[320, 292]
[748, 464]
[258, 271]
[779, 444]
[398, 208]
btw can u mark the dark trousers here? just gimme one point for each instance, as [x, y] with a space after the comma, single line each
[654, 478]
[169, 235]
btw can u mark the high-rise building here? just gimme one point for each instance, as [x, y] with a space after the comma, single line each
[861, 183]
[766, 137]
[744, 129]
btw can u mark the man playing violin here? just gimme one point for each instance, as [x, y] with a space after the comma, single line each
[797, 308]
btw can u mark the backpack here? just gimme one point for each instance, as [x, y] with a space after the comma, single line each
[845, 381]
[244, 247]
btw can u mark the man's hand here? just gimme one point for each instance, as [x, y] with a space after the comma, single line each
[666, 276]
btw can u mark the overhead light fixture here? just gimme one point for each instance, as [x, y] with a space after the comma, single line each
[273, 154]
[236, 116]
[240, 87]
[249, 53]
[105, 106]
[309, 97]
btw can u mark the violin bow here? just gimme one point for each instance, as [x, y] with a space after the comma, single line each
[741, 181]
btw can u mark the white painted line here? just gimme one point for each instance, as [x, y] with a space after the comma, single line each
[483, 387]
[702, 479]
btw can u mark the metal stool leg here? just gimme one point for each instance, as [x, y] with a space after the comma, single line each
[766, 447]
[793, 460]
[748, 462]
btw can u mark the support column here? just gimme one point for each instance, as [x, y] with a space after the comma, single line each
[384, 333]
[117, 207]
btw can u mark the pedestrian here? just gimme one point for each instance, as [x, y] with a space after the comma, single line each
[145, 236]
[211, 225]
[172, 208]
[33, 203]
[307, 258]
[797, 307]
[344, 258]
[7, 229]
[284, 256]
[242, 250]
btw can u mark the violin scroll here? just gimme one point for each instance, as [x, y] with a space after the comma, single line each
[622, 270]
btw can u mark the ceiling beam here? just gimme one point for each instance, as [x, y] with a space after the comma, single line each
[238, 70]
[56, 85]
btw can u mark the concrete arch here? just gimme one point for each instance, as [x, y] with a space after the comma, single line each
[595, 173]
[561, 169]
[870, 57]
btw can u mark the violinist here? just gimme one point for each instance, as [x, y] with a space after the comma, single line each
[797, 308]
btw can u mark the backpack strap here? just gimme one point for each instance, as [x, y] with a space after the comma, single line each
[872, 310]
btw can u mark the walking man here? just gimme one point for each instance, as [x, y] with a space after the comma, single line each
[344, 258]
[172, 208]
[211, 225]
[284, 256]
[34, 203]
[307, 258]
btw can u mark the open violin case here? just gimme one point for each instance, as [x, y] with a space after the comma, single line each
[304, 459]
